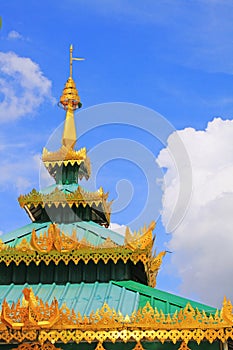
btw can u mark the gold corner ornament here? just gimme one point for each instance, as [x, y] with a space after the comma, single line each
[41, 322]
[140, 239]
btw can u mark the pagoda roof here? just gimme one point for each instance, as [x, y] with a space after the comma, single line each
[124, 297]
[80, 241]
[65, 195]
[85, 230]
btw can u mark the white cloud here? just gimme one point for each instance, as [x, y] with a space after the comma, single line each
[18, 175]
[13, 34]
[117, 228]
[23, 87]
[203, 242]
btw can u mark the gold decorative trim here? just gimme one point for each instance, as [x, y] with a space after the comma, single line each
[46, 323]
[123, 335]
[57, 197]
[83, 254]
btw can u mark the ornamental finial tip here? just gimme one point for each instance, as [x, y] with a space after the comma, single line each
[73, 59]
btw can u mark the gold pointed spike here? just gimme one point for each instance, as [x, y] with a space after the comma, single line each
[184, 346]
[138, 346]
[99, 346]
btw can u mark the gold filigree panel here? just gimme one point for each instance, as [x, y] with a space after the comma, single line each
[122, 335]
[36, 346]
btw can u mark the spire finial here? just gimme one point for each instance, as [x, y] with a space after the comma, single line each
[70, 101]
[70, 93]
[73, 59]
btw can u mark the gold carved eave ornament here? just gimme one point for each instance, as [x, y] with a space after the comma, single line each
[54, 246]
[34, 320]
[58, 197]
[65, 156]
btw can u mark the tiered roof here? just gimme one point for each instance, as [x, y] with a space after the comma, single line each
[67, 278]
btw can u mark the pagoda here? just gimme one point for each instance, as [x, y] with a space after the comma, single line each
[69, 282]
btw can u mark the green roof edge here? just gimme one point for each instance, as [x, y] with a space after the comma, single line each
[154, 293]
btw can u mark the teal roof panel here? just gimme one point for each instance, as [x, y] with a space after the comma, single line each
[92, 232]
[23, 232]
[64, 188]
[83, 297]
[126, 297]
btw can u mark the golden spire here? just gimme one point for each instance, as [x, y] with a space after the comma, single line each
[70, 101]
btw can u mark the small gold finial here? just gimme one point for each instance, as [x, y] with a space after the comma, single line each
[73, 59]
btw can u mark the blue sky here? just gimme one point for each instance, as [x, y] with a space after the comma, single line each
[172, 57]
